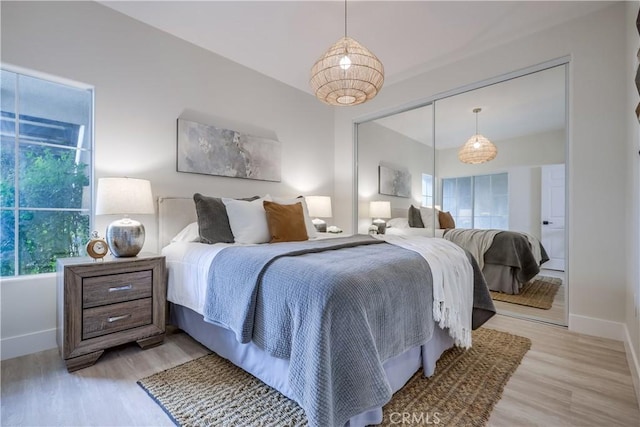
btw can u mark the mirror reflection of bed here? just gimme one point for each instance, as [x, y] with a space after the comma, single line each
[520, 193]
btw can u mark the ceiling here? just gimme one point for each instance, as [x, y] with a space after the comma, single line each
[282, 39]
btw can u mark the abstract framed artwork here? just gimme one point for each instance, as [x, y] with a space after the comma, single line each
[209, 150]
[394, 182]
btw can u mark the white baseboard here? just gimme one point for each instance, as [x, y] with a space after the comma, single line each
[597, 327]
[612, 330]
[634, 363]
[26, 344]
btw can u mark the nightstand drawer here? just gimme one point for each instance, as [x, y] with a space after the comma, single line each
[109, 289]
[116, 317]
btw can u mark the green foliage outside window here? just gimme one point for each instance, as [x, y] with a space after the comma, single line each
[47, 155]
[44, 236]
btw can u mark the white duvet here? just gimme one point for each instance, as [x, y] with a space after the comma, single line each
[188, 271]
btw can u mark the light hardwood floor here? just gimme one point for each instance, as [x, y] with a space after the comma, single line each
[565, 379]
[556, 314]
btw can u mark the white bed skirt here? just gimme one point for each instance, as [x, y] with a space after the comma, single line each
[275, 372]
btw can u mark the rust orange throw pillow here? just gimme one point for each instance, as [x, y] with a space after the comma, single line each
[286, 222]
[446, 220]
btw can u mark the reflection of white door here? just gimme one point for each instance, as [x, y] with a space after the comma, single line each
[552, 215]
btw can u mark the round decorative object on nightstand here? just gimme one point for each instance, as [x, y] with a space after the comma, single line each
[125, 237]
[97, 248]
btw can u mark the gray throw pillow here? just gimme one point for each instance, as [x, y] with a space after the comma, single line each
[415, 219]
[213, 222]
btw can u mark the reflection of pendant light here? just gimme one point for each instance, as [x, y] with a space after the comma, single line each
[348, 73]
[477, 149]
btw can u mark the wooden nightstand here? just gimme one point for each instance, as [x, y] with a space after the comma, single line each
[102, 304]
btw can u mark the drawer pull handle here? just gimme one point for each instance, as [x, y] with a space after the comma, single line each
[121, 288]
[116, 318]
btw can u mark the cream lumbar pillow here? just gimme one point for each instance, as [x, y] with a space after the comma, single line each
[248, 220]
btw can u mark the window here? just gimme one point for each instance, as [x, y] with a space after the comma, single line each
[478, 201]
[46, 166]
[427, 190]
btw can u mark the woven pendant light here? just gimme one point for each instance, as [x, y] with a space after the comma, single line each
[348, 73]
[477, 149]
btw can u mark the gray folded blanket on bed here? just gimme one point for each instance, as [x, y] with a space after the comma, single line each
[337, 309]
[513, 249]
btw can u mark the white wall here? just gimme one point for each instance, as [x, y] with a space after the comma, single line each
[633, 191]
[144, 80]
[525, 198]
[597, 157]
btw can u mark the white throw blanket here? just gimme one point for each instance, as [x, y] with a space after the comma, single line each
[475, 241]
[452, 282]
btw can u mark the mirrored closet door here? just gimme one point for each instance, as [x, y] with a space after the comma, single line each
[395, 170]
[411, 158]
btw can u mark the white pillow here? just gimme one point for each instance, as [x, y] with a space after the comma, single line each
[248, 220]
[312, 233]
[188, 234]
[398, 223]
[428, 217]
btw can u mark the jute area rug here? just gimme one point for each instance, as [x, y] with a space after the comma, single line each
[538, 293]
[210, 391]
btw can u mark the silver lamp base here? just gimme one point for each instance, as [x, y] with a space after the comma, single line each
[382, 225]
[125, 237]
[320, 225]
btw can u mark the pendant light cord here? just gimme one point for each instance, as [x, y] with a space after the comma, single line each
[476, 111]
[345, 18]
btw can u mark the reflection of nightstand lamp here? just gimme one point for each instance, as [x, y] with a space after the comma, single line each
[319, 207]
[379, 210]
[124, 196]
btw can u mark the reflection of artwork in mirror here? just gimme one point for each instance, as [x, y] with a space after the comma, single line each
[394, 182]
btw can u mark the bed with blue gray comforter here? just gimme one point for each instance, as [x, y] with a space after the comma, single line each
[337, 309]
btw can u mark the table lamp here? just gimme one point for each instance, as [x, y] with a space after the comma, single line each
[319, 207]
[380, 209]
[124, 196]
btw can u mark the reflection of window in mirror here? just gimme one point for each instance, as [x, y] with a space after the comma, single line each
[478, 201]
[427, 189]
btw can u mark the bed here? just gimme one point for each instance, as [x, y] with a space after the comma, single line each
[341, 358]
[508, 259]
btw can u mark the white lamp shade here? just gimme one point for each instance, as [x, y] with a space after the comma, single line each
[124, 196]
[380, 209]
[319, 206]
